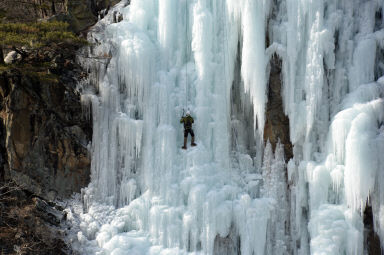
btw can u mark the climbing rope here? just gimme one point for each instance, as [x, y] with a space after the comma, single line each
[225, 50]
[225, 46]
[186, 54]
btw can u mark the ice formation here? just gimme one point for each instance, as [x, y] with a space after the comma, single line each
[232, 194]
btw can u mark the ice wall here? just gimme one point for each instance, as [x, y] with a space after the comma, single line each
[332, 62]
[147, 195]
[229, 194]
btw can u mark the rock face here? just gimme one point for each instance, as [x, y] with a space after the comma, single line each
[371, 239]
[45, 134]
[80, 14]
[277, 123]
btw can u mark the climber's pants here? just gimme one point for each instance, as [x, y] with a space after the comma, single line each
[186, 131]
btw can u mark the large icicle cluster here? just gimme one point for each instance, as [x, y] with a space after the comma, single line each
[147, 196]
[332, 55]
[163, 57]
[275, 187]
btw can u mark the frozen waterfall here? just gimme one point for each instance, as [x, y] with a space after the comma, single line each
[235, 193]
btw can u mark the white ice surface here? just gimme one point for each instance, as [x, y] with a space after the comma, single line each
[167, 56]
[147, 196]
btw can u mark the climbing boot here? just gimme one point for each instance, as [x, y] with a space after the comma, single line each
[185, 143]
[193, 141]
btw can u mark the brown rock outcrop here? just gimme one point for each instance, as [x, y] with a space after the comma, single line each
[45, 134]
[277, 123]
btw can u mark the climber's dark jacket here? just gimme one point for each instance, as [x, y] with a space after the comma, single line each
[187, 120]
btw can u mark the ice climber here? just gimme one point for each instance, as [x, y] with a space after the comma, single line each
[188, 120]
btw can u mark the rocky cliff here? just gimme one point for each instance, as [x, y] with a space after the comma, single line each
[277, 123]
[43, 149]
[44, 136]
